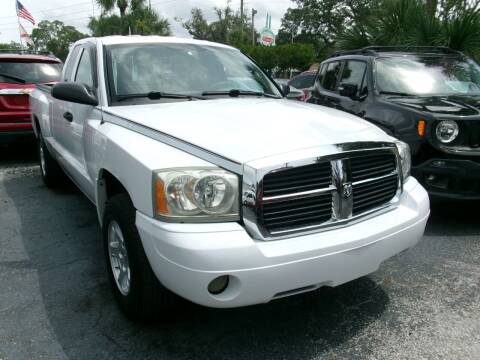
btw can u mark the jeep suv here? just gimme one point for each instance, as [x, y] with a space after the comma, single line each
[20, 70]
[428, 97]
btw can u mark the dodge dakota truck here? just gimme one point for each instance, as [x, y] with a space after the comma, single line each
[210, 186]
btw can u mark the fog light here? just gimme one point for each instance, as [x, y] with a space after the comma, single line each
[218, 285]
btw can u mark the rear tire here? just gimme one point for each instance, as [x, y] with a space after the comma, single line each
[136, 288]
[52, 175]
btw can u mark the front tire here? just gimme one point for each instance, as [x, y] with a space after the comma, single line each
[52, 174]
[136, 288]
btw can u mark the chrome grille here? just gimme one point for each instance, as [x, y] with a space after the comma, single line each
[305, 211]
[298, 179]
[328, 191]
[372, 194]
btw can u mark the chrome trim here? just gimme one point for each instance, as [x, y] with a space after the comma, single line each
[360, 182]
[341, 177]
[299, 195]
[338, 155]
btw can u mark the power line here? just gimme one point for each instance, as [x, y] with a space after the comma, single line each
[44, 10]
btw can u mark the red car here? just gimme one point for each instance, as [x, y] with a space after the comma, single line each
[304, 82]
[20, 70]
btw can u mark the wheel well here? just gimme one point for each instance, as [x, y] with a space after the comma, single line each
[36, 125]
[108, 185]
[112, 185]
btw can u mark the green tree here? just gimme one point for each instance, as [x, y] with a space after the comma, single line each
[56, 37]
[319, 22]
[122, 5]
[226, 29]
[282, 57]
[140, 20]
[12, 45]
[451, 23]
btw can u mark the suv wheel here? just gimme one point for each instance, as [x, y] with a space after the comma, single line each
[52, 174]
[136, 288]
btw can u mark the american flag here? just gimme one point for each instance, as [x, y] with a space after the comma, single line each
[24, 35]
[24, 13]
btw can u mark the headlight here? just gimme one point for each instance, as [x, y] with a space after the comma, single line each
[210, 194]
[405, 158]
[447, 131]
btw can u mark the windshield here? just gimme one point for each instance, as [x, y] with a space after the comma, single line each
[418, 75]
[182, 69]
[32, 73]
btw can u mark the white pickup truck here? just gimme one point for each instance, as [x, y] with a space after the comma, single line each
[210, 185]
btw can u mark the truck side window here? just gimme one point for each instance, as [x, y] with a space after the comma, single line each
[331, 76]
[84, 70]
[70, 65]
[321, 73]
[353, 73]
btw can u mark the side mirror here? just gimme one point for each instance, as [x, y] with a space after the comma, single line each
[292, 92]
[74, 92]
[348, 90]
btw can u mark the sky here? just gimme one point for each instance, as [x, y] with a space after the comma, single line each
[78, 12]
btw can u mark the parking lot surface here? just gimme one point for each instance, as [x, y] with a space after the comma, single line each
[55, 300]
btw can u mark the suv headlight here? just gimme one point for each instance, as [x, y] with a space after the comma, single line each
[446, 131]
[405, 158]
[208, 194]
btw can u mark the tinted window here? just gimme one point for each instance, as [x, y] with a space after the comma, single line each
[353, 73]
[303, 81]
[28, 72]
[70, 65]
[321, 74]
[331, 76]
[84, 71]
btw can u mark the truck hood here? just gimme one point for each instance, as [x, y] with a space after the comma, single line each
[245, 129]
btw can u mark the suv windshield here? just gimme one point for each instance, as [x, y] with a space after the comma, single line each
[428, 75]
[187, 69]
[30, 72]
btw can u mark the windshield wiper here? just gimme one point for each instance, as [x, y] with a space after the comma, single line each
[237, 93]
[395, 93]
[20, 80]
[156, 95]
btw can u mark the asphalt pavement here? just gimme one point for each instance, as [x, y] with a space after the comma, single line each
[56, 303]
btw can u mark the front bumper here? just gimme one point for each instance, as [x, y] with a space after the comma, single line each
[450, 178]
[187, 257]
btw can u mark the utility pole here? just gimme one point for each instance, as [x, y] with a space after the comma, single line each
[254, 12]
[241, 21]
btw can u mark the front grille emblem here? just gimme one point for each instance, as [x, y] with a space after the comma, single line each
[342, 197]
[347, 190]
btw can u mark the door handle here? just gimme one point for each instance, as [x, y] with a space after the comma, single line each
[68, 116]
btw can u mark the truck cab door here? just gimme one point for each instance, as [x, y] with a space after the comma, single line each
[353, 89]
[71, 119]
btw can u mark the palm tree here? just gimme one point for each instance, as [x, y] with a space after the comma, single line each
[108, 5]
[453, 23]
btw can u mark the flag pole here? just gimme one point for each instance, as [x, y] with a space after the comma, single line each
[19, 29]
[20, 33]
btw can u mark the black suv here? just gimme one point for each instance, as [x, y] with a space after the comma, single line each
[428, 97]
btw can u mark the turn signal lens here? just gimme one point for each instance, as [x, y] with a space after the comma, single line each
[421, 128]
[160, 197]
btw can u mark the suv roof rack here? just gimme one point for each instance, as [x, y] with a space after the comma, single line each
[26, 52]
[374, 50]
